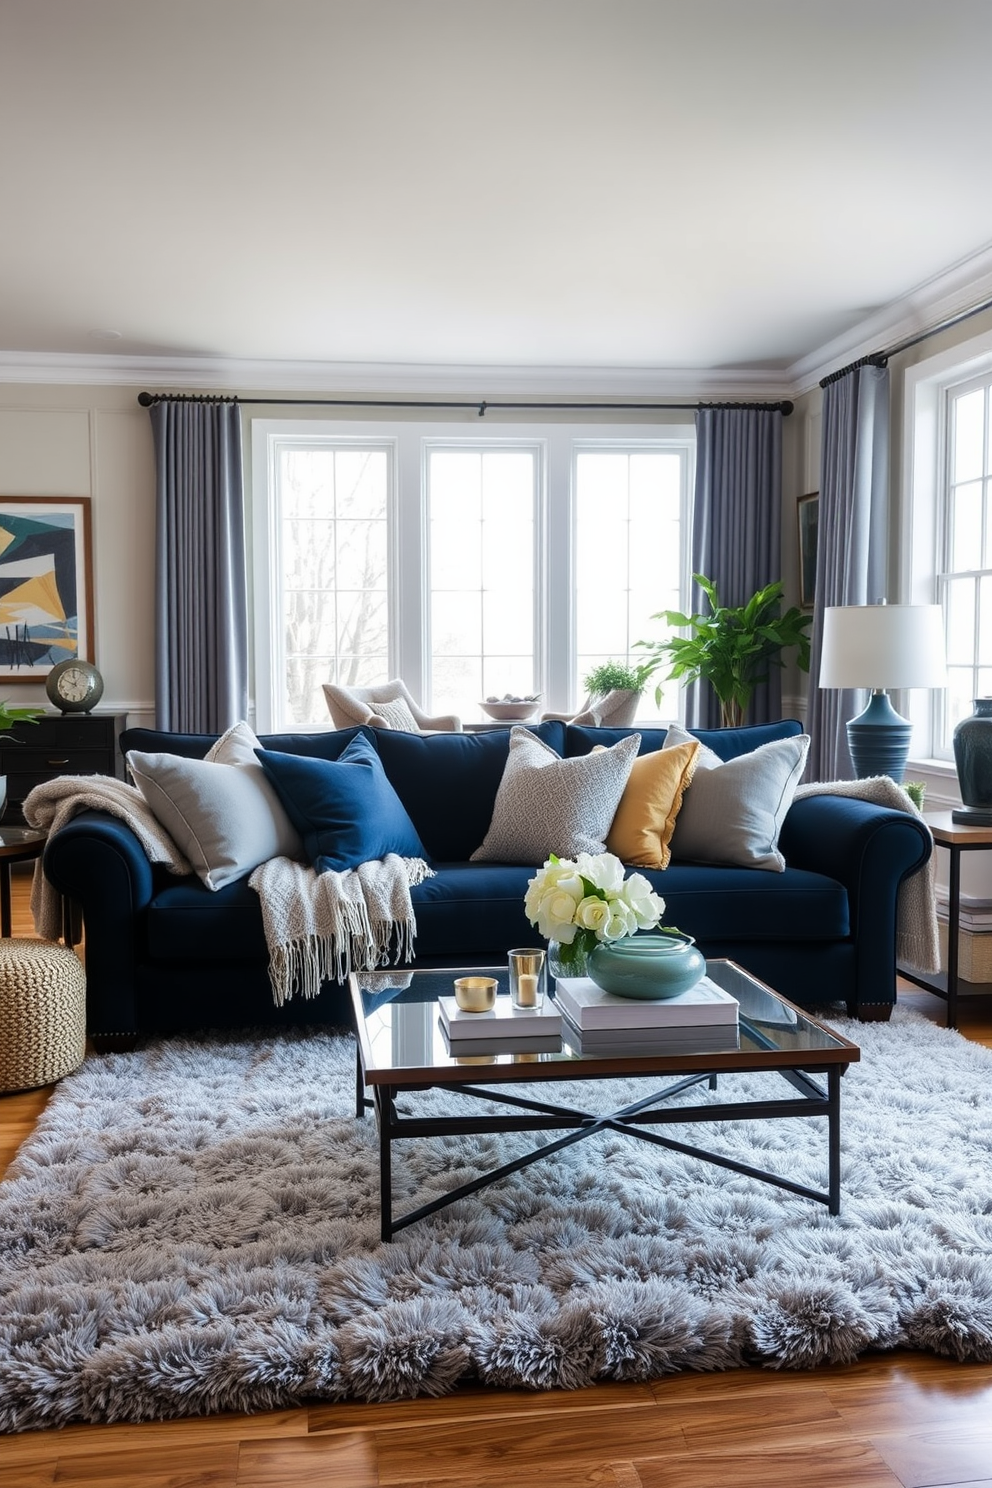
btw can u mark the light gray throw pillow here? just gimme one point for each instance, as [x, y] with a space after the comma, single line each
[546, 804]
[733, 810]
[221, 812]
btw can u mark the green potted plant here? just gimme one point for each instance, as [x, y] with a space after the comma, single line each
[732, 649]
[622, 685]
[8, 717]
[616, 676]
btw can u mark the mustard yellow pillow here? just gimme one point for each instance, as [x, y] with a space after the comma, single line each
[645, 820]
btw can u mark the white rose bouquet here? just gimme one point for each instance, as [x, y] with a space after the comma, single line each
[586, 901]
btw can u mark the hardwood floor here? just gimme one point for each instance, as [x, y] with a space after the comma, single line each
[895, 1420]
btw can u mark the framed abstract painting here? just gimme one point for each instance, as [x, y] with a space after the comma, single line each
[46, 584]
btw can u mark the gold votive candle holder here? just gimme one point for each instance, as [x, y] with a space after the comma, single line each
[475, 994]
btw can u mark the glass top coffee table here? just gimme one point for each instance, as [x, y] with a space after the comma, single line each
[402, 1049]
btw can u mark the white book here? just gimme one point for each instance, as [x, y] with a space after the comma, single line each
[589, 1007]
[501, 1021]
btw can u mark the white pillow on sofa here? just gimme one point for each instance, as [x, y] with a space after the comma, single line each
[221, 812]
[546, 804]
[733, 811]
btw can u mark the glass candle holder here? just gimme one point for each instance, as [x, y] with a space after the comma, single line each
[528, 979]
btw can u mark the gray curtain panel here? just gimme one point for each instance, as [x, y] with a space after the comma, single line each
[201, 609]
[736, 531]
[852, 545]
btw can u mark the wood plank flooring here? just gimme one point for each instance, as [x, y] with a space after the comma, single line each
[894, 1420]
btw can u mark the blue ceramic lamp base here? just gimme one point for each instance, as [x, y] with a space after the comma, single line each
[878, 739]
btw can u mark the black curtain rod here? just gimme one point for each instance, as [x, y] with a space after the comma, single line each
[481, 406]
[880, 358]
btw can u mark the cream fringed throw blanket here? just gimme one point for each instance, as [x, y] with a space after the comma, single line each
[322, 925]
[316, 925]
[917, 938]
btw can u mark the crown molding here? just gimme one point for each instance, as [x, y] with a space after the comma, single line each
[951, 292]
[281, 377]
[954, 290]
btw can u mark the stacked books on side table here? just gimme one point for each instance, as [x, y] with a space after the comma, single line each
[503, 1029]
[700, 1021]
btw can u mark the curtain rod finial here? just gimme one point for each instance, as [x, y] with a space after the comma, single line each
[145, 400]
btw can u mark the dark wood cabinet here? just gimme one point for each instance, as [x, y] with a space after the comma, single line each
[58, 744]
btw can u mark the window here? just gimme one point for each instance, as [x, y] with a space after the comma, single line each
[482, 507]
[629, 561]
[469, 566]
[946, 531]
[965, 574]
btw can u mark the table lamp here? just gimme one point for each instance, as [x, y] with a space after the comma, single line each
[882, 646]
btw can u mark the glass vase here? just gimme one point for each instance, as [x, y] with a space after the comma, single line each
[567, 960]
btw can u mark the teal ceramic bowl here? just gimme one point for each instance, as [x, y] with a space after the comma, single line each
[647, 967]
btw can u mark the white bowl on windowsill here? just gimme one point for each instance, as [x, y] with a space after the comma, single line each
[511, 712]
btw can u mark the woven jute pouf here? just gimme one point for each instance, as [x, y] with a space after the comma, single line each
[42, 1013]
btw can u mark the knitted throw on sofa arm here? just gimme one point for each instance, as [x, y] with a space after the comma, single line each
[917, 937]
[55, 802]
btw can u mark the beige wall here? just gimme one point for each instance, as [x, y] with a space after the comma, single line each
[95, 442]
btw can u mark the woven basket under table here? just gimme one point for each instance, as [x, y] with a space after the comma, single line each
[42, 1013]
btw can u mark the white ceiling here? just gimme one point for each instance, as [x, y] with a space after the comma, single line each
[740, 187]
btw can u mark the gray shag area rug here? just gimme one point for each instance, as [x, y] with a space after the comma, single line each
[194, 1228]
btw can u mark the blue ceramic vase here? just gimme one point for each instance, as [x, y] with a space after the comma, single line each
[973, 758]
[647, 967]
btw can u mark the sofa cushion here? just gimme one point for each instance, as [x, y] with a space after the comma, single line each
[733, 811]
[727, 743]
[345, 810]
[448, 782]
[717, 904]
[471, 911]
[225, 818]
[327, 744]
[549, 805]
[642, 828]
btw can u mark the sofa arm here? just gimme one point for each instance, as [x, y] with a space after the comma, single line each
[98, 863]
[870, 849]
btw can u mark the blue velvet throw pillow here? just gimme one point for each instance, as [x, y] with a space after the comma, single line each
[345, 810]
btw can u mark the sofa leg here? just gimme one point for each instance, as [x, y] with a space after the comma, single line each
[872, 1012]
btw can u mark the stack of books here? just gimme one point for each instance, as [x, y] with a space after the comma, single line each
[700, 1021]
[503, 1028]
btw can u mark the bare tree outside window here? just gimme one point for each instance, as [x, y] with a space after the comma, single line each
[334, 560]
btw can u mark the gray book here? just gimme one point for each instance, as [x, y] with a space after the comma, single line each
[712, 1038]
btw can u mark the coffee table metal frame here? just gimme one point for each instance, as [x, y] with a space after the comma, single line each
[795, 1065]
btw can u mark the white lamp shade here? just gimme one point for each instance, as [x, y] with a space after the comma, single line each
[883, 646]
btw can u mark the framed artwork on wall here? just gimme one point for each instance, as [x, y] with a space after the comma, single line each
[46, 584]
[808, 508]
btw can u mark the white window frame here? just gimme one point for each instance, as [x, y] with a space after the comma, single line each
[922, 544]
[408, 556]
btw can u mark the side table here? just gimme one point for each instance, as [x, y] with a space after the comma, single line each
[17, 845]
[957, 839]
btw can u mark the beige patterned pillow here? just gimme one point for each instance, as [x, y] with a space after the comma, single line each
[546, 804]
[395, 715]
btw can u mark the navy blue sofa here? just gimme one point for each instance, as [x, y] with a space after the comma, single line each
[165, 954]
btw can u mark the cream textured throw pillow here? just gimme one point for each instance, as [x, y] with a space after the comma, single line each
[395, 715]
[733, 811]
[546, 804]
